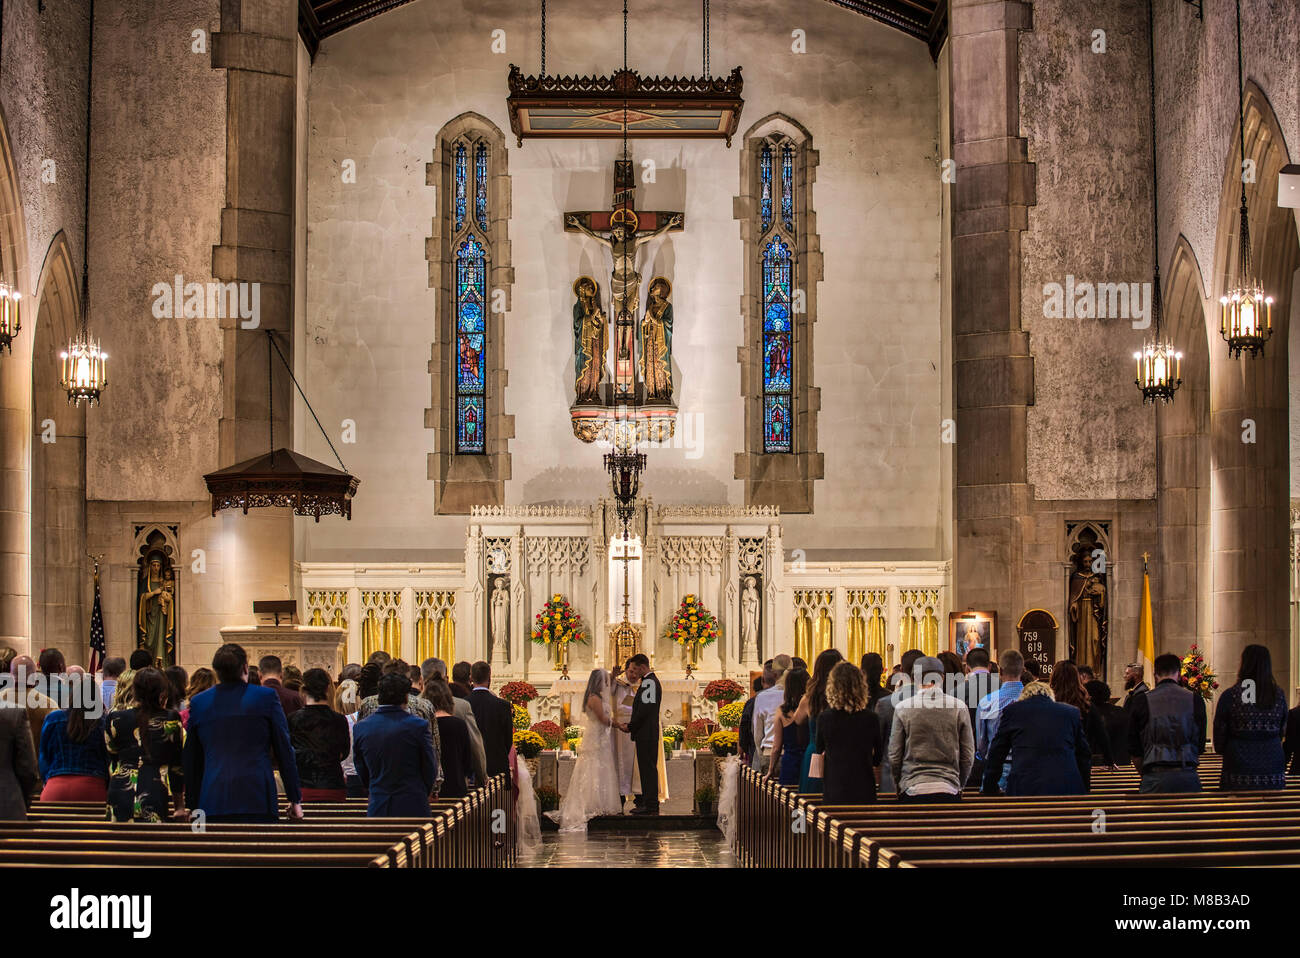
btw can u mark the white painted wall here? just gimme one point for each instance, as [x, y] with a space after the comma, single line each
[380, 92]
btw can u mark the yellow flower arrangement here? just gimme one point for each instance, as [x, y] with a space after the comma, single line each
[529, 743]
[725, 742]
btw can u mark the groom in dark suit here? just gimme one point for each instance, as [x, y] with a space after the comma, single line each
[643, 726]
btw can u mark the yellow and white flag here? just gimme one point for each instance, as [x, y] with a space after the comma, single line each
[1146, 630]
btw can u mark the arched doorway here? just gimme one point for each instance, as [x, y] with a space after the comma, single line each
[15, 420]
[1183, 465]
[58, 477]
[1249, 400]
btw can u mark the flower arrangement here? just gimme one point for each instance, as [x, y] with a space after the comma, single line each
[1198, 676]
[676, 733]
[551, 734]
[574, 745]
[548, 799]
[723, 691]
[725, 742]
[528, 743]
[693, 623]
[668, 749]
[705, 796]
[522, 720]
[729, 715]
[697, 733]
[518, 693]
[557, 624]
[572, 731]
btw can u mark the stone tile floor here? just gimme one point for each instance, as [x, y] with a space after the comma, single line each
[667, 849]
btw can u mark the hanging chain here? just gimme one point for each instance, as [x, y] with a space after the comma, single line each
[706, 37]
[307, 402]
[624, 34]
[270, 394]
[1155, 190]
[1241, 102]
[85, 227]
[543, 38]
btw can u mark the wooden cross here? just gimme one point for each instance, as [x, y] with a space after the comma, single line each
[623, 211]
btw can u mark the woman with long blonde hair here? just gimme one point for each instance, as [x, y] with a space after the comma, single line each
[848, 735]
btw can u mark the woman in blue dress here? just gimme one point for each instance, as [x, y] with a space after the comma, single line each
[1248, 724]
[814, 703]
[790, 731]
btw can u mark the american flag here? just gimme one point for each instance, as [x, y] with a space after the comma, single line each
[97, 647]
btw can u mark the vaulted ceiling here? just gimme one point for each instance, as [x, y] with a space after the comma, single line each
[926, 20]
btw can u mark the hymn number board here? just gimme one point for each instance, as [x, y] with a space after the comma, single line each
[1037, 634]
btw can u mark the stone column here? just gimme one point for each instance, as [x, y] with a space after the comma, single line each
[257, 47]
[15, 504]
[1249, 508]
[993, 381]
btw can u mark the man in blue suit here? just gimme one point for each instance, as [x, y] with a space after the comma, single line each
[393, 753]
[234, 729]
[1051, 755]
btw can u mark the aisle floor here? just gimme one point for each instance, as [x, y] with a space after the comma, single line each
[666, 849]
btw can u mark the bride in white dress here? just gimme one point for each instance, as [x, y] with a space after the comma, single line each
[593, 790]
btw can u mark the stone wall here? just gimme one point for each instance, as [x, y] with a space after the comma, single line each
[1085, 117]
[157, 190]
[869, 97]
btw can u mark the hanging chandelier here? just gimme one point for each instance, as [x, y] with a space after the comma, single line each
[1159, 365]
[85, 371]
[1246, 310]
[10, 315]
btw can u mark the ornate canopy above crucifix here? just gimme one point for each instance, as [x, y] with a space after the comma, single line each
[624, 105]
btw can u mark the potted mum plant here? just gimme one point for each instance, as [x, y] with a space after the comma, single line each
[705, 796]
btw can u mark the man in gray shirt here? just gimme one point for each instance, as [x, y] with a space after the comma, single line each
[886, 706]
[931, 748]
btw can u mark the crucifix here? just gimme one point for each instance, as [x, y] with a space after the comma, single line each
[627, 232]
[624, 635]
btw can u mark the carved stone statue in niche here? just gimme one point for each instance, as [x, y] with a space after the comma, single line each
[500, 619]
[655, 355]
[589, 340]
[749, 605]
[1087, 604]
[156, 606]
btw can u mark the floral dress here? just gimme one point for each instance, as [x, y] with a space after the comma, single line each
[144, 766]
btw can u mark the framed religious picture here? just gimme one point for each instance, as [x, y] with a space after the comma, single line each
[969, 630]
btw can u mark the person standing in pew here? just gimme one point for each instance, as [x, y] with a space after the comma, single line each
[18, 770]
[1052, 756]
[272, 671]
[885, 710]
[1248, 724]
[745, 744]
[73, 758]
[1166, 734]
[1115, 719]
[393, 752]
[931, 748]
[978, 682]
[145, 746]
[1067, 688]
[436, 669]
[457, 756]
[848, 736]
[321, 740]
[495, 720]
[234, 729]
[1006, 691]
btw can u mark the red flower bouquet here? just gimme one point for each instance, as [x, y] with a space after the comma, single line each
[518, 693]
[723, 691]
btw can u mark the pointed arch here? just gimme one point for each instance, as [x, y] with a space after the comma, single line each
[783, 265]
[58, 476]
[1183, 464]
[1249, 406]
[470, 268]
[15, 417]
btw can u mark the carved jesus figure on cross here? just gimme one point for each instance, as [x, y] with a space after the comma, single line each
[624, 239]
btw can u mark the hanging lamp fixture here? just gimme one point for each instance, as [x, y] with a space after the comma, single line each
[84, 373]
[1159, 365]
[283, 478]
[1246, 310]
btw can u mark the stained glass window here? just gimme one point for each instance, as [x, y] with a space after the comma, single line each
[471, 341]
[462, 174]
[765, 185]
[480, 186]
[787, 186]
[778, 346]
